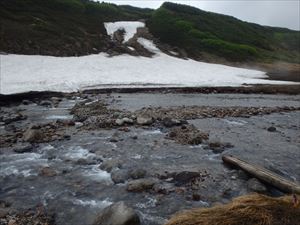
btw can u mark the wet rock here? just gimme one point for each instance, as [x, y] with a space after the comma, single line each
[163, 188]
[141, 184]
[117, 214]
[67, 137]
[83, 161]
[12, 117]
[185, 177]
[46, 103]
[168, 122]
[33, 135]
[141, 120]
[119, 176]
[119, 122]
[218, 147]
[134, 137]
[26, 102]
[255, 185]
[137, 173]
[196, 197]
[108, 165]
[271, 129]
[113, 139]
[23, 148]
[47, 172]
[128, 120]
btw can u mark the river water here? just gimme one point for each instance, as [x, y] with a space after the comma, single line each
[81, 189]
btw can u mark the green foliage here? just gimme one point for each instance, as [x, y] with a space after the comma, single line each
[229, 50]
[197, 31]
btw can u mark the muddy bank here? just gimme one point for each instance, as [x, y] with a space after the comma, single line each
[159, 153]
[257, 89]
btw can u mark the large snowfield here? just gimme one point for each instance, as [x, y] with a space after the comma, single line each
[22, 73]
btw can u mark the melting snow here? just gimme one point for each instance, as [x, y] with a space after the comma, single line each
[149, 45]
[130, 28]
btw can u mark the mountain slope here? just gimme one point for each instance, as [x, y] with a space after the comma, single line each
[198, 31]
[75, 27]
[59, 27]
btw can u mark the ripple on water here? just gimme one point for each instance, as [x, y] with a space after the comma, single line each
[92, 203]
[235, 122]
[96, 174]
[25, 164]
[77, 152]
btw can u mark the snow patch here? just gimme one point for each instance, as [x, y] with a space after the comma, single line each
[130, 28]
[23, 73]
[149, 45]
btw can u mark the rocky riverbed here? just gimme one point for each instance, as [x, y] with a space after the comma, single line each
[65, 159]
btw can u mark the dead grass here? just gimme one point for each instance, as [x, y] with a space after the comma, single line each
[246, 210]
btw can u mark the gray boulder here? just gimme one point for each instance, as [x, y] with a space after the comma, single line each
[141, 184]
[33, 135]
[110, 164]
[117, 214]
[23, 148]
[119, 176]
[142, 120]
[255, 185]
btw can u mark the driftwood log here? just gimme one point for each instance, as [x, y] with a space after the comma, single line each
[264, 175]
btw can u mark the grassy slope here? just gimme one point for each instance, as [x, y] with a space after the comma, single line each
[59, 27]
[199, 31]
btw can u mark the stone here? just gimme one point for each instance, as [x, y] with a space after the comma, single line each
[196, 197]
[12, 222]
[185, 177]
[46, 103]
[117, 214]
[144, 120]
[119, 176]
[128, 120]
[110, 164]
[272, 129]
[255, 185]
[23, 148]
[47, 172]
[113, 139]
[168, 122]
[141, 184]
[137, 173]
[26, 102]
[33, 135]
[163, 188]
[119, 122]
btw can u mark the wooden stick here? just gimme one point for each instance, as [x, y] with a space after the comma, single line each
[264, 175]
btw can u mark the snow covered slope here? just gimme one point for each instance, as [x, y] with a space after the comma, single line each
[130, 28]
[21, 73]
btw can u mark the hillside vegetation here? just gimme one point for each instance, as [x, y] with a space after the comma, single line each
[199, 31]
[59, 27]
[75, 27]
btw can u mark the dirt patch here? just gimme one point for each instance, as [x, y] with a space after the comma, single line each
[246, 210]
